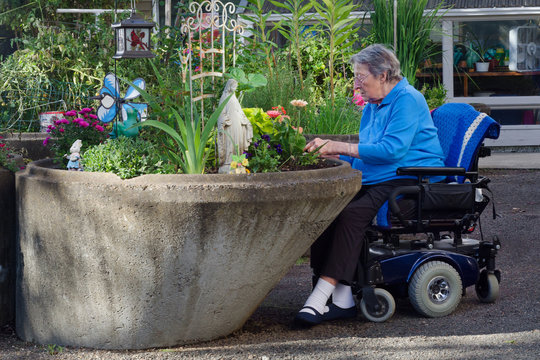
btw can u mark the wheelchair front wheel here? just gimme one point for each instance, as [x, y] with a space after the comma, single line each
[487, 287]
[387, 309]
[435, 289]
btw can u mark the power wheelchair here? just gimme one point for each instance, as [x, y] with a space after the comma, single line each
[419, 244]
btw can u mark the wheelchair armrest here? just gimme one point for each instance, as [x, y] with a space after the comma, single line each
[431, 170]
[392, 200]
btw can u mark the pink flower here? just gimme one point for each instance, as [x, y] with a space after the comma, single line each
[273, 113]
[94, 123]
[2, 145]
[84, 124]
[71, 113]
[92, 116]
[85, 110]
[64, 121]
[61, 130]
[357, 99]
[99, 128]
[78, 120]
[46, 141]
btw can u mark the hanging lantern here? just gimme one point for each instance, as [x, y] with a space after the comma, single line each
[133, 38]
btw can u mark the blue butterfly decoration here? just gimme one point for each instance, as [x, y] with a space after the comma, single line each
[110, 99]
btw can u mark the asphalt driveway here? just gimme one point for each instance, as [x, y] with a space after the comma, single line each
[507, 329]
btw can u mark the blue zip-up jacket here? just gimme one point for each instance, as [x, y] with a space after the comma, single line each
[398, 132]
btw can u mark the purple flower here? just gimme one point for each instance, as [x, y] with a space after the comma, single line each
[78, 120]
[92, 116]
[266, 137]
[46, 141]
[71, 113]
[84, 124]
[278, 148]
[256, 144]
[99, 128]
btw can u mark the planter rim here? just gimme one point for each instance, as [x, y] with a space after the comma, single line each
[44, 168]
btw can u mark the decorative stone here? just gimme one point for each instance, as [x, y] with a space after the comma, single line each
[161, 260]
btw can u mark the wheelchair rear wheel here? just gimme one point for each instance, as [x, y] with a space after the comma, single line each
[435, 289]
[388, 307]
[487, 287]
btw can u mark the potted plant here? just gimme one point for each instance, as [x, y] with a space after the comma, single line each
[164, 259]
[479, 48]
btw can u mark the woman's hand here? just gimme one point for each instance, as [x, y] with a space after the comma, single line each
[332, 149]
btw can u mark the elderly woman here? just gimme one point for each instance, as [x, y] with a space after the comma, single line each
[396, 130]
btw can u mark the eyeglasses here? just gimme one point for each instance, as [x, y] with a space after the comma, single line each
[360, 79]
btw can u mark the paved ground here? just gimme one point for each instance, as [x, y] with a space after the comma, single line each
[508, 329]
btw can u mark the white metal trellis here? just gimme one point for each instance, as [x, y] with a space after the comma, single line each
[209, 16]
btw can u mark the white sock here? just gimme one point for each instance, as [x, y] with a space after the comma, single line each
[319, 297]
[343, 297]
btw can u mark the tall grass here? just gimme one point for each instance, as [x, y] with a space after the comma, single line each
[341, 118]
[413, 31]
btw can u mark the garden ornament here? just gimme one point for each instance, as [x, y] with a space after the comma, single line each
[234, 128]
[125, 128]
[74, 163]
[110, 99]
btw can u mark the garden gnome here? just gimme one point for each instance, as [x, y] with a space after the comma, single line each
[74, 163]
[234, 129]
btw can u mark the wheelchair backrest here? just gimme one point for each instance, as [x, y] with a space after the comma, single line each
[461, 131]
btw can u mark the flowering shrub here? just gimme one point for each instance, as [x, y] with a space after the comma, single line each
[82, 125]
[283, 144]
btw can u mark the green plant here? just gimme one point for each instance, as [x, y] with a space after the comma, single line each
[54, 349]
[413, 43]
[336, 21]
[185, 128]
[246, 82]
[82, 125]
[260, 121]
[126, 157]
[280, 89]
[435, 95]
[343, 118]
[261, 41]
[291, 27]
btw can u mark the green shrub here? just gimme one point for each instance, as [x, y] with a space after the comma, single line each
[125, 157]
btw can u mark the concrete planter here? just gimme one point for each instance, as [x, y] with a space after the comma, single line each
[7, 247]
[160, 260]
[31, 144]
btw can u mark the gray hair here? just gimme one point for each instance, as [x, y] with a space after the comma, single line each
[379, 59]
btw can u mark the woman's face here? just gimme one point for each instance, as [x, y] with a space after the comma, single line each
[369, 86]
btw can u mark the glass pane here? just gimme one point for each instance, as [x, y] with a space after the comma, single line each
[517, 116]
[490, 42]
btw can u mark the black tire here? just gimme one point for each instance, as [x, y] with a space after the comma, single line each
[435, 289]
[487, 287]
[388, 307]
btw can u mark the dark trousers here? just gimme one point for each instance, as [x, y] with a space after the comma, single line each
[336, 252]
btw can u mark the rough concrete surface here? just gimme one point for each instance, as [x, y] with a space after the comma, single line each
[161, 260]
[507, 329]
